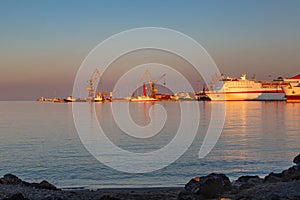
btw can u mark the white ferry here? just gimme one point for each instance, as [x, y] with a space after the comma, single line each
[233, 89]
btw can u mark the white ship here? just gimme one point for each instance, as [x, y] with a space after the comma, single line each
[242, 90]
[292, 91]
[70, 99]
[144, 98]
[98, 98]
[185, 96]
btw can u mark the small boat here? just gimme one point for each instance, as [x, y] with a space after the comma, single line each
[184, 96]
[144, 98]
[70, 99]
[56, 100]
[42, 99]
[98, 98]
[201, 96]
[174, 97]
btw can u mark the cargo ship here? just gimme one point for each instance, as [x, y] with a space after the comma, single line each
[242, 89]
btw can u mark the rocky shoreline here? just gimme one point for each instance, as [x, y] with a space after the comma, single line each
[275, 186]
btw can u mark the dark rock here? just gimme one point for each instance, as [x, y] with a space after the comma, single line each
[193, 185]
[107, 197]
[185, 195]
[234, 189]
[45, 185]
[273, 177]
[211, 186]
[18, 196]
[24, 183]
[274, 197]
[297, 160]
[242, 198]
[249, 179]
[292, 173]
[245, 182]
[245, 186]
[296, 197]
[10, 179]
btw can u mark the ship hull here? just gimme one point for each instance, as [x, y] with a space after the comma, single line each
[293, 98]
[276, 95]
[143, 99]
[292, 93]
[233, 89]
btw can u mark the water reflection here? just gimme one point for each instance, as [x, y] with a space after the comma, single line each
[39, 141]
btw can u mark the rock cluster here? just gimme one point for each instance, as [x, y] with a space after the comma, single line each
[17, 196]
[276, 186]
[297, 160]
[10, 179]
[210, 186]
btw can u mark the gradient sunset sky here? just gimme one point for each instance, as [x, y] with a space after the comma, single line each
[42, 43]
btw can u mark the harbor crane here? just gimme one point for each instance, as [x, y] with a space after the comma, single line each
[153, 89]
[92, 84]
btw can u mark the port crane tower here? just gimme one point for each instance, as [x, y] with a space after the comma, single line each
[151, 82]
[92, 84]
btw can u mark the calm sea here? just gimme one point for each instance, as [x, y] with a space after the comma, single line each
[39, 141]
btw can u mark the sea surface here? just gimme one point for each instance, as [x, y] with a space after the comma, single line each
[39, 141]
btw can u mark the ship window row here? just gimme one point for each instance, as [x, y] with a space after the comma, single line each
[241, 87]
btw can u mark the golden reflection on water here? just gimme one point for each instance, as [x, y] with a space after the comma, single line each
[40, 140]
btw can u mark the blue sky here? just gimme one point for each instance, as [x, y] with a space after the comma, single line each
[44, 42]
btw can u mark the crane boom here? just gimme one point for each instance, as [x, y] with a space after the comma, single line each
[92, 83]
[152, 82]
[162, 76]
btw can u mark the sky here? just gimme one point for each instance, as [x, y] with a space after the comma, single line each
[43, 43]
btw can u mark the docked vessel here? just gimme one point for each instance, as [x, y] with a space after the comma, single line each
[243, 90]
[98, 98]
[143, 98]
[292, 90]
[184, 96]
[70, 99]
